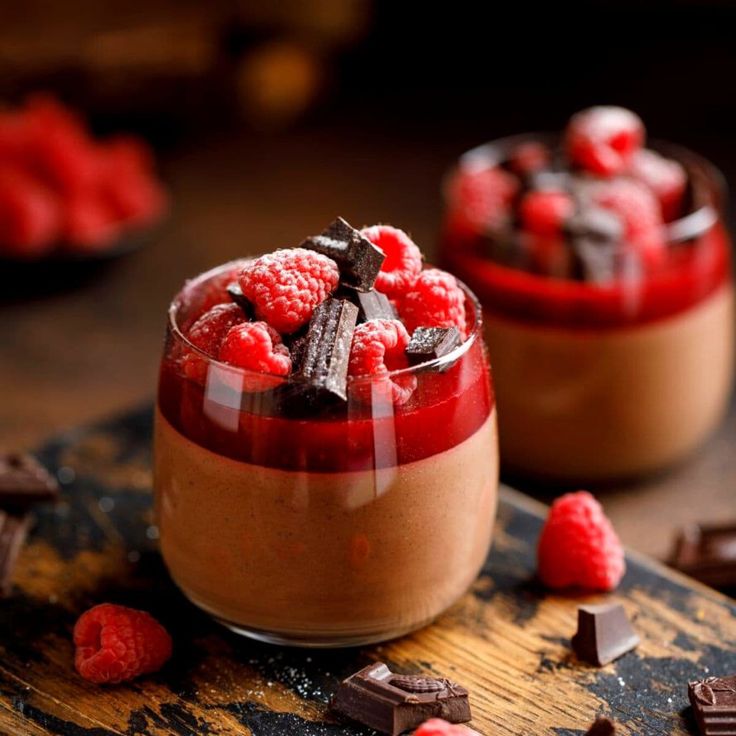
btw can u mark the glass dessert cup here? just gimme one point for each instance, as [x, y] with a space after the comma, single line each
[603, 381]
[298, 521]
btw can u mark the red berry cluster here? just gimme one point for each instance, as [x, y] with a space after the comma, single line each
[536, 197]
[282, 291]
[440, 727]
[61, 188]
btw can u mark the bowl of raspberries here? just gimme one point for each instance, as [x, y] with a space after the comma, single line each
[66, 195]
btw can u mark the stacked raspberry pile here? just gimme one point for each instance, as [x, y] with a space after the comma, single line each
[345, 303]
[594, 209]
[62, 189]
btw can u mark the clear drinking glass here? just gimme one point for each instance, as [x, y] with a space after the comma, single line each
[294, 520]
[597, 381]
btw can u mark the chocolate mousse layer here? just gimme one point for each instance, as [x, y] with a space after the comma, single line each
[325, 557]
[595, 404]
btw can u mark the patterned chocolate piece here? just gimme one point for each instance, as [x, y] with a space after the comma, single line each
[13, 531]
[321, 358]
[357, 258]
[604, 634]
[24, 482]
[430, 343]
[708, 554]
[714, 704]
[393, 704]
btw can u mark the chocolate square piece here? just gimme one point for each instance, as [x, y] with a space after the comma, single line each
[601, 727]
[13, 531]
[373, 305]
[321, 357]
[24, 482]
[430, 343]
[604, 634]
[357, 258]
[393, 704]
[708, 554]
[714, 704]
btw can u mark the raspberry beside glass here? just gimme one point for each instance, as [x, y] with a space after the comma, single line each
[604, 272]
[293, 506]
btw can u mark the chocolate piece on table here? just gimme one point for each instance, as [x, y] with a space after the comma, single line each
[357, 258]
[24, 481]
[323, 356]
[604, 634]
[707, 553]
[236, 294]
[13, 531]
[714, 704]
[373, 305]
[602, 727]
[430, 343]
[392, 704]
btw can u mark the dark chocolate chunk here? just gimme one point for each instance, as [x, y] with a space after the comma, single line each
[430, 343]
[708, 554]
[393, 704]
[602, 727]
[357, 258]
[714, 704]
[604, 634]
[322, 358]
[13, 531]
[596, 225]
[373, 305]
[236, 294]
[24, 482]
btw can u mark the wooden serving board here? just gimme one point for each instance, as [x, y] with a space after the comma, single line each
[506, 640]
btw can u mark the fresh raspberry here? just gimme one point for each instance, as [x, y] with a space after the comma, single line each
[549, 255]
[544, 212]
[29, 214]
[639, 211]
[578, 547]
[436, 300]
[88, 223]
[403, 259]
[257, 347]
[438, 727]
[665, 177]
[480, 199]
[603, 139]
[115, 643]
[207, 334]
[378, 348]
[285, 287]
[526, 158]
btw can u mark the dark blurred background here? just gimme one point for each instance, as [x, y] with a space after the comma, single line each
[271, 118]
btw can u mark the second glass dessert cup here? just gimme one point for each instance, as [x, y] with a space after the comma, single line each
[301, 522]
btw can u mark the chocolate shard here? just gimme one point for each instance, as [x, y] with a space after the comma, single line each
[392, 703]
[604, 634]
[373, 305]
[25, 482]
[236, 294]
[357, 258]
[602, 727]
[13, 531]
[321, 358]
[431, 343]
[714, 704]
[707, 553]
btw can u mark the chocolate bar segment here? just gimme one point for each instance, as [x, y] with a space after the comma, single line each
[357, 258]
[373, 305]
[707, 553]
[236, 294]
[24, 482]
[602, 727]
[393, 703]
[714, 704]
[13, 531]
[604, 634]
[322, 357]
[430, 343]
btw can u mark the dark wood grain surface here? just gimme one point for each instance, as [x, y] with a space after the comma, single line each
[77, 354]
[506, 639]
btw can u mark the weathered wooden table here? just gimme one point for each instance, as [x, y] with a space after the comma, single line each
[506, 640]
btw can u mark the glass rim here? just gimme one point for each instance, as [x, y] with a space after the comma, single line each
[436, 363]
[692, 225]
